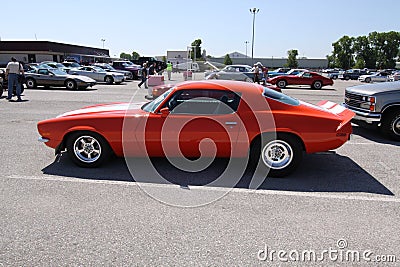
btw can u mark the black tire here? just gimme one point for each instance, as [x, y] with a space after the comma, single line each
[281, 83]
[88, 149]
[109, 79]
[367, 80]
[277, 156]
[347, 78]
[71, 84]
[334, 77]
[30, 83]
[1, 90]
[317, 85]
[391, 125]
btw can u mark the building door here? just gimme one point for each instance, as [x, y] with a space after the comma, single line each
[31, 58]
[55, 58]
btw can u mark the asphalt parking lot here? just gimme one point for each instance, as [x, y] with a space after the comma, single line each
[53, 213]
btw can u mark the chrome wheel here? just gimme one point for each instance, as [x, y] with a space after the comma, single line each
[277, 154]
[87, 149]
[71, 85]
[396, 126]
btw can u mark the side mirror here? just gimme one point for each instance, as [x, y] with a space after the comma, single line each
[164, 112]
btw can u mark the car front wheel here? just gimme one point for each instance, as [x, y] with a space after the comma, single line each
[109, 80]
[317, 85]
[71, 85]
[391, 125]
[281, 83]
[88, 149]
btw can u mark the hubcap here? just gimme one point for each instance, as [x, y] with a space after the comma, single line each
[87, 149]
[396, 126]
[277, 154]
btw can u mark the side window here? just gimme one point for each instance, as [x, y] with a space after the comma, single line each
[43, 72]
[204, 102]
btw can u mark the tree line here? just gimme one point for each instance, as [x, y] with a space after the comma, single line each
[378, 50]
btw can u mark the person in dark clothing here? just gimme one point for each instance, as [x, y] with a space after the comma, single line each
[144, 76]
[152, 69]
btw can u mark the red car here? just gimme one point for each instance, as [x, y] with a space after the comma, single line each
[240, 119]
[315, 80]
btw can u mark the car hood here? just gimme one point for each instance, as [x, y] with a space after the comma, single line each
[374, 88]
[107, 109]
[81, 77]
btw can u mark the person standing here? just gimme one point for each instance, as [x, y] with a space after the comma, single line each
[256, 71]
[13, 70]
[152, 69]
[169, 70]
[144, 76]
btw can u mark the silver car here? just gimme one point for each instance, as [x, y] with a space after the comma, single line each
[380, 76]
[98, 74]
[55, 77]
[233, 72]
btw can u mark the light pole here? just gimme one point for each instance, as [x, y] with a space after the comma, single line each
[246, 42]
[103, 40]
[253, 11]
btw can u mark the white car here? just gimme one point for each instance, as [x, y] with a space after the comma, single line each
[98, 74]
[395, 76]
[233, 72]
[379, 76]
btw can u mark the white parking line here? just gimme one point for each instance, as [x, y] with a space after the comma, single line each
[342, 196]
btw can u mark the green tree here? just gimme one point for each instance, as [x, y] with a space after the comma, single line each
[365, 53]
[343, 52]
[197, 47]
[227, 60]
[125, 56]
[164, 58]
[292, 59]
[135, 55]
[386, 45]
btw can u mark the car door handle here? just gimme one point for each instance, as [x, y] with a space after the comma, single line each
[231, 123]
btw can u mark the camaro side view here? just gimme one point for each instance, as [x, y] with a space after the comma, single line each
[242, 119]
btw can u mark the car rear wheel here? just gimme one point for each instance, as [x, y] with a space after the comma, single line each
[71, 85]
[347, 78]
[391, 125]
[30, 83]
[281, 83]
[367, 80]
[88, 149]
[317, 85]
[109, 80]
[277, 156]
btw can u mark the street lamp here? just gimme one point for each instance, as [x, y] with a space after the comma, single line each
[103, 40]
[246, 42]
[253, 11]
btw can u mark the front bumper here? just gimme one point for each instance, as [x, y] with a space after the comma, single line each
[367, 117]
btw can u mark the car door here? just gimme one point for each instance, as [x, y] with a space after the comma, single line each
[199, 123]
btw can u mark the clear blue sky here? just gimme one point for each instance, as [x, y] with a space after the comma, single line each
[153, 27]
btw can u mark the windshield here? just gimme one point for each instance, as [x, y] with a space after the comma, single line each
[152, 106]
[98, 69]
[108, 67]
[58, 72]
[127, 64]
[269, 93]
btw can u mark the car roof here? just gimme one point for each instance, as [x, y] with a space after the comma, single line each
[235, 86]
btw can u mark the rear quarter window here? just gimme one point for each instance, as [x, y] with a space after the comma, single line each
[269, 93]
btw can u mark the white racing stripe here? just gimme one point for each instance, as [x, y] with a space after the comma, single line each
[343, 196]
